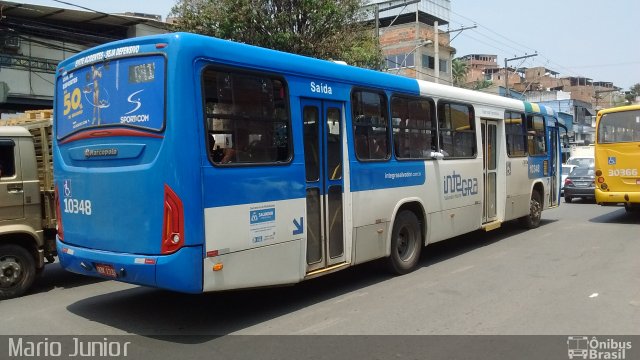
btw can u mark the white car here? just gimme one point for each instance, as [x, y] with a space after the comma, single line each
[583, 161]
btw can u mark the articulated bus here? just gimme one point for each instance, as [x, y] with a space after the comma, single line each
[196, 164]
[617, 157]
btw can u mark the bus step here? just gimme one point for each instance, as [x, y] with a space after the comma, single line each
[491, 225]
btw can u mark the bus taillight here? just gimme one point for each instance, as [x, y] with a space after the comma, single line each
[173, 222]
[58, 214]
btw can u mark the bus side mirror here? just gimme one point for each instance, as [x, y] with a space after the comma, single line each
[437, 155]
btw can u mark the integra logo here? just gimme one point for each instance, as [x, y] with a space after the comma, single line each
[88, 153]
[456, 186]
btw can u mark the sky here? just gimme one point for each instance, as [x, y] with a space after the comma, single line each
[588, 38]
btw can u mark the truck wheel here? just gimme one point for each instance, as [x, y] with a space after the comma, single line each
[406, 243]
[532, 220]
[17, 271]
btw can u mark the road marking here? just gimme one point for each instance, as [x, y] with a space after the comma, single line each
[426, 285]
[349, 297]
[320, 326]
[463, 269]
[594, 295]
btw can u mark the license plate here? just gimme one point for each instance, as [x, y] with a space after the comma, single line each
[581, 184]
[106, 270]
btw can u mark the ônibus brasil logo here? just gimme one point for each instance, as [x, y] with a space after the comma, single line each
[595, 349]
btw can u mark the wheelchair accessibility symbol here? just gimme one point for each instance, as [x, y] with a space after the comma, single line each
[67, 188]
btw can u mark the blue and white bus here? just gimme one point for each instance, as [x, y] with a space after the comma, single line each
[196, 164]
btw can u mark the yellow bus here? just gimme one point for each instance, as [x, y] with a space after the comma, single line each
[617, 153]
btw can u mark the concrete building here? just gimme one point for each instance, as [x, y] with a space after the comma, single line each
[411, 39]
[33, 39]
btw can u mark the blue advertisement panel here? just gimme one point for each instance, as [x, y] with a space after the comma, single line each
[127, 91]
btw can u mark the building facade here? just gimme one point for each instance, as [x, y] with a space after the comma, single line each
[411, 37]
[33, 39]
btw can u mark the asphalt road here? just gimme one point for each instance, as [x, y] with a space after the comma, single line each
[578, 273]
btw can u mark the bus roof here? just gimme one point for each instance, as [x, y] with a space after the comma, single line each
[194, 46]
[618, 109]
[232, 53]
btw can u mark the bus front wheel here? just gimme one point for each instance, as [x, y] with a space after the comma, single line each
[406, 243]
[532, 220]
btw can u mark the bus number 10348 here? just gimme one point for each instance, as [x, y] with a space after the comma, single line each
[75, 206]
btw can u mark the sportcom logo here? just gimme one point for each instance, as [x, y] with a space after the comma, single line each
[595, 349]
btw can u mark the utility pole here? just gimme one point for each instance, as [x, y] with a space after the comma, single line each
[436, 52]
[377, 11]
[597, 95]
[506, 71]
[459, 31]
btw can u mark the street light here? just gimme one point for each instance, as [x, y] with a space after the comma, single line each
[422, 43]
[506, 71]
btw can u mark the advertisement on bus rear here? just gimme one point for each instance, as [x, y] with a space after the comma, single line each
[124, 91]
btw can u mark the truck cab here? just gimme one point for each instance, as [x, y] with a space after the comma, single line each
[27, 208]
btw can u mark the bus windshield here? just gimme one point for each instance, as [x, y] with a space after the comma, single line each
[119, 92]
[623, 126]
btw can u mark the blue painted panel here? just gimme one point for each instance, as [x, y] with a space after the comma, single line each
[156, 271]
[386, 175]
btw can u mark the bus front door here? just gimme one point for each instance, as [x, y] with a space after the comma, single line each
[490, 169]
[322, 122]
[554, 192]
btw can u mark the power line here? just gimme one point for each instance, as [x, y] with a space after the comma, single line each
[147, 22]
[549, 60]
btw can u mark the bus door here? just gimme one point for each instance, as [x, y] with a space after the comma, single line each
[554, 192]
[490, 169]
[322, 122]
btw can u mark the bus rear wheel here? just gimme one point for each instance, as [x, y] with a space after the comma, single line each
[406, 243]
[532, 220]
[17, 271]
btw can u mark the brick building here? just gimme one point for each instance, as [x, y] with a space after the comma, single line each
[411, 39]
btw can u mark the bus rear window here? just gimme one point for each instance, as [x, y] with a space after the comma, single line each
[623, 126]
[119, 92]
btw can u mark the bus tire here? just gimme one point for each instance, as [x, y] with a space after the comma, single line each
[631, 207]
[406, 243]
[532, 220]
[17, 271]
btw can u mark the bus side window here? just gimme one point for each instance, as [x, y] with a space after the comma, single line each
[370, 125]
[248, 119]
[456, 130]
[536, 138]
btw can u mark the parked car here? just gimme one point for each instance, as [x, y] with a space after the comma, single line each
[580, 183]
[566, 169]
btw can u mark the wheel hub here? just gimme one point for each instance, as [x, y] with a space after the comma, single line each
[403, 247]
[10, 271]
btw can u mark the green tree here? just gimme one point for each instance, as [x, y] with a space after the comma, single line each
[481, 84]
[459, 70]
[326, 29]
[633, 93]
